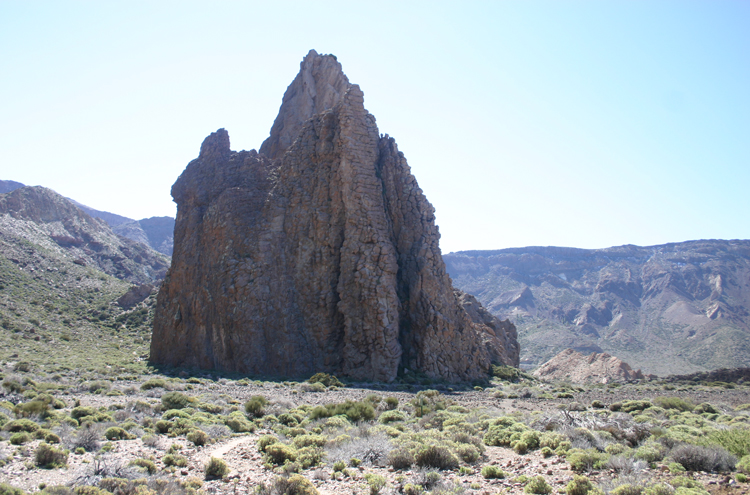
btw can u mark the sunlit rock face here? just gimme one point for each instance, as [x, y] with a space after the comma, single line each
[320, 253]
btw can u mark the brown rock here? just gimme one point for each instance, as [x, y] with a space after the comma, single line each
[580, 368]
[322, 257]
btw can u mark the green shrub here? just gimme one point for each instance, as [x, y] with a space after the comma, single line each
[279, 453]
[176, 460]
[354, 411]
[659, 489]
[46, 456]
[145, 464]
[239, 424]
[705, 408]
[586, 460]
[735, 440]
[391, 402]
[493, 472]
[175, 400]
[744, 464]
[538, 485]
[307, 440]
[152, 383]
[215, 469]
[265, 441]
[116, 433]
[506, 373]
[6, 489]
[501, 433]
[580, 485]
[400, 458]
[627, 489]
[468, 453]
[674, 403]
[82, 411]
[436, 456]
[338, 466]
[741, 478]
[21, 425]
[326, 379]
[20, 438]
[295, 484]
[391, 416]
[375, 482]
[197, 437]
[650, 452]
[256, 405]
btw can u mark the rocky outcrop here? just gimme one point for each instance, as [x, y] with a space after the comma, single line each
[45, 217]
[579, 368]
[318, 254]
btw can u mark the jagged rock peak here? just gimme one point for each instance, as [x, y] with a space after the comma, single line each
[322, 257]
[319, 85]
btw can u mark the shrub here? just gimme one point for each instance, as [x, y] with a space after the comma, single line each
[152, 383]
[400, 458]
[21, 425]
[256, 405]
[391, 402]
[627, 489]
[650, 452]
[307, 440]
[520, 447]
[705, 408]
[354, 411]
[735, 440]
[175, 460]
[538, 485]
[145, 464]
[674, 403]
[391, 416]
[659, 489]
[215, 469]
[265, 441]
[698, 458]
[47, 456]
[6, 489]
[744, 464]
[506, 373]
[493, 472]
[586, 460]
[279, 453]
[580, 485]
[239, 424]
[296, 484]
[175, 400]
[467, 453]
[436, 456]
[82, 411]
[116, 433]
[20, 438]
[197, 437]
[326, 379]
[375, 482]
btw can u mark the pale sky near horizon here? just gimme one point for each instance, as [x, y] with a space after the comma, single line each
[558, 123]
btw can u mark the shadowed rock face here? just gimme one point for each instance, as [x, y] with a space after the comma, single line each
[322, 256]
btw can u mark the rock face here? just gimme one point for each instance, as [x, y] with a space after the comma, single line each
[672, 308]
[318, 254]
[579, 368]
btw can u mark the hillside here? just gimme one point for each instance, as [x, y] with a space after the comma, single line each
[674, 308]
[61, 273]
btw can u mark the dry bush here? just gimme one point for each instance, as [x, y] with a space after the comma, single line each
[698, 458]
[371, 449]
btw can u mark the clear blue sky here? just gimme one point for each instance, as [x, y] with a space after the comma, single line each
[568, 123]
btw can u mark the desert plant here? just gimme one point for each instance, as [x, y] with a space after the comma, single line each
[538, 485]
[20, 438]
[197, 437]
[47, 456]
[175, 460]
[175, 400]
[698, 458]
[145, 464]
[295, 484]
[436, 456]
[586, 460]
[326, 379]
[116, 433]
[215, 469]
[256, 405]
[152, 383]
[676, 403]
[400, 458]
[279, 453]
[375, 482]
[580, 485]
[493, 472]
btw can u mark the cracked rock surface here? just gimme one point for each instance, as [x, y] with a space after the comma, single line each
[320, 253]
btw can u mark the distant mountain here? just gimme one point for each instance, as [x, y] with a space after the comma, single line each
[673, 308]
[39, 218]
[155, 232]
[7, 186]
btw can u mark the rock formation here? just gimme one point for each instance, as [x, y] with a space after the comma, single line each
[595, 368]
[320, 253]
